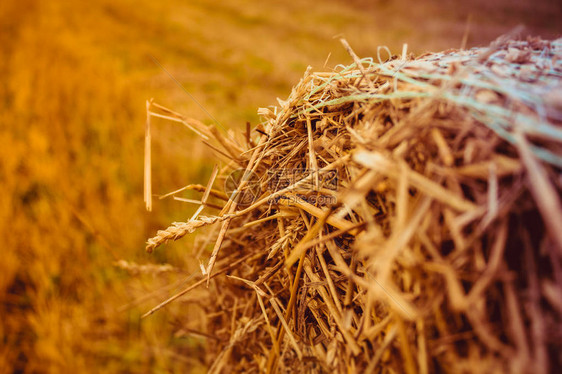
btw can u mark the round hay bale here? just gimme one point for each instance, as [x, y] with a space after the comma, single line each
[391, 216]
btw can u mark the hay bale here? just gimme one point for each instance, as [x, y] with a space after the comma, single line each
[391, 216]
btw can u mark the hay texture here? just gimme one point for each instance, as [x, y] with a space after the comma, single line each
[397, 215]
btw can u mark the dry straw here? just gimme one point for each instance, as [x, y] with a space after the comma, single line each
[407, 219]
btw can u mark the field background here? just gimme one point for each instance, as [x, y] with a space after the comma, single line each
[74, 78]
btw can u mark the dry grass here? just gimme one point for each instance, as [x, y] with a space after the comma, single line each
[74, 80]
[405, 217]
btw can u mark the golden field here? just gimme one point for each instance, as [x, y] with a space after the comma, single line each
[75, 79]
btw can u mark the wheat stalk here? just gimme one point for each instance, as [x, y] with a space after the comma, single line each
[178, 230]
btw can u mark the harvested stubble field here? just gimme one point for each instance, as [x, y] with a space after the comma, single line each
[74, 280]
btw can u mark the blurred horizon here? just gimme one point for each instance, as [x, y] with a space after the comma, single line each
[75, 80]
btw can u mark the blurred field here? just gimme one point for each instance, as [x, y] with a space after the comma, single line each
[74, 81]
